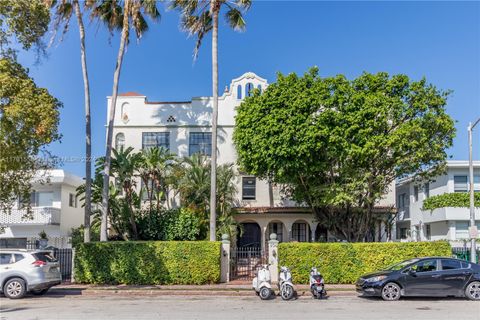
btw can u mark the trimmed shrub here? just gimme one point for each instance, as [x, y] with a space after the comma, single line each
[345, 262]
[148, 262]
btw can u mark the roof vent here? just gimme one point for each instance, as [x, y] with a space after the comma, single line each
[171, 119]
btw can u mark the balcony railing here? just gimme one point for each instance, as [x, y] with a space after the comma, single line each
[403, 213]
[37, 216]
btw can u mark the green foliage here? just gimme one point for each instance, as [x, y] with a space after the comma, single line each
[457, 199]
[339, 143]
[29, 118]
[345, 262]
[152, 262]
[22, 21]
[174, 224]
[77, 235]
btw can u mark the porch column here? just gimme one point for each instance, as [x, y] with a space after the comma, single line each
[288, 226]
[313, 228]
[263, 230]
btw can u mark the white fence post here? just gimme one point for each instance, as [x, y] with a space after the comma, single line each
[72, 279]
[225, 259]
[273, 257]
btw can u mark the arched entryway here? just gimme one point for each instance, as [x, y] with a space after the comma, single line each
[251, 235]
[276, 227]
[321, 234]
[300, 231]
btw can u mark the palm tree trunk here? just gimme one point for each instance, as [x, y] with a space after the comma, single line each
[213, 171]
[111, 116]
[88, 130]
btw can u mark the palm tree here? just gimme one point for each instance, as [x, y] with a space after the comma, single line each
[198, 18]
[132, 14]
[63, 14]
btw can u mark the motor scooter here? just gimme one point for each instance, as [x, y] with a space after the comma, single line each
[317, 284]
[285, 284]
[262, 283]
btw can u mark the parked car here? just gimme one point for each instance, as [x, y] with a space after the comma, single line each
[431, 276]
[23, 271]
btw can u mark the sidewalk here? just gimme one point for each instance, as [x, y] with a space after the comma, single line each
[224, 289]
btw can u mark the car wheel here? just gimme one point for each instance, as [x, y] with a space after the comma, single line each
[472, 291]
[14, 288]
[391, 292]
[40, 292]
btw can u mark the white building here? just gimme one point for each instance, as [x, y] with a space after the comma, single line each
[55, 210]
[184, 127]
[448, 223]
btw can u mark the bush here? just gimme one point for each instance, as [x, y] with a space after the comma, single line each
[180, 224]
[345, 262]
[152, 262]
[457, 199]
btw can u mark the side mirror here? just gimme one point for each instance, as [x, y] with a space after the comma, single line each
[412, 272]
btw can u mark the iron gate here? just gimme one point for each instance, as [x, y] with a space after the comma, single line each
[245, 261]
[64, 257]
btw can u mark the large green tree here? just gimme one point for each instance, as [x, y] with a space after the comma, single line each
[199, 18]
[337, 144]
[29, 118]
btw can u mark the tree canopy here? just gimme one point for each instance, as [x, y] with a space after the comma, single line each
[338, 143]
[29, 118]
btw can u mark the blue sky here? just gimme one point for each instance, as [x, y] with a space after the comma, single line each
[438, 40]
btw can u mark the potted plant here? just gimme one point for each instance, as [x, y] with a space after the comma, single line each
[43, 241]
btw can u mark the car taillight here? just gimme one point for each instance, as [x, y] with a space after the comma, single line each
[39, 263]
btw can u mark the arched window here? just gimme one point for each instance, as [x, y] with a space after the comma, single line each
[119, 141]
[259, 87]
[248, 89]
[239, 92]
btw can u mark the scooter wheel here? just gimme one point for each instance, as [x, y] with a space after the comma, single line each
[287, 292]
[265, 293]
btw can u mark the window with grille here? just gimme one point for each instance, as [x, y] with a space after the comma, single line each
[299, 232]
[415, 193]
[248, 188]
[156, 139]
[200, 142]
[426, 190]
[119, 141]
[72, 200]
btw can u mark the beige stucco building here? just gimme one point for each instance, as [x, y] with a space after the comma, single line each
[184, 127]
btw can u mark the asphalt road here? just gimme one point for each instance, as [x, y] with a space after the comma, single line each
[139, 308]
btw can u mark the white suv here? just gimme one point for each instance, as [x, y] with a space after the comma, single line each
[23, 271]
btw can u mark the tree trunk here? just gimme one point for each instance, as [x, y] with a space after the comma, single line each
[111, 117]
[88, 131]
[213, 171]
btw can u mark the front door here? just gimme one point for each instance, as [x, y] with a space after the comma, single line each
[424, 280]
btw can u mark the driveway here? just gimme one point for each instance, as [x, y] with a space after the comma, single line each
[63, 307]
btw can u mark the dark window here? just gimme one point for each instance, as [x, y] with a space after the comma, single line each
[18, 243]
[19, 257]
[425, 266]
[239, 92]
[403, 233]
[415, 193]
[448, 264]
[426, 190]
[428, 232]
[460, 184]
[72, 200]
[248, 89]
[248, 188]
[44, 256]
[156, 139]
[277, 228]
[200, 142]
[299, 232]
[6, 258]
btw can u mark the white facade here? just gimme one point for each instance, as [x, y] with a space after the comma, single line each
[178, 124]
[55, 210]
[414, 224]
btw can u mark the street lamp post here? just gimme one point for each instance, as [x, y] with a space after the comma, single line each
[473, 230]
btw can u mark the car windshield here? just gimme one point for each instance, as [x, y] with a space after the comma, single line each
[401, 265]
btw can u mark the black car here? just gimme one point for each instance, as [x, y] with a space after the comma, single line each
[432, 277]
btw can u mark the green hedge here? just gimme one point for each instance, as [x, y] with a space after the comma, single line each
[456, 199]
[345, 262]
[148, 262]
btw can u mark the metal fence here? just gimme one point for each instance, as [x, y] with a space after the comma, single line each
[245, 261]
[65, 259]
[464, 253]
